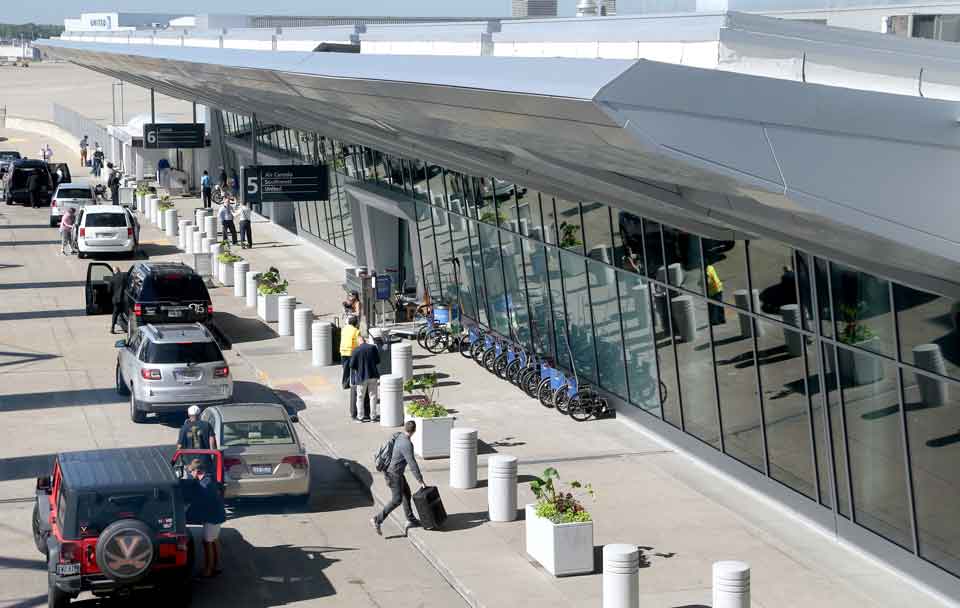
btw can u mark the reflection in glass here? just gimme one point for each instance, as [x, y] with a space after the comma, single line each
[835, 410]
[787, 419]
[579, 330]
[729, 262]
[537, 286]
[596, 232]
[929, 330]
[428, 252]
[628, 240]
[496, 296]
[861, 306]
[683, 267]
[774, 276]
[606, 323]
[698, 392]
[442, 240]
[739, 403]
[638, 343]
[516, 289]
[877, 468]
[567, 221]
[818, 414]
[653, 245]
[465, 269]
[559, 312]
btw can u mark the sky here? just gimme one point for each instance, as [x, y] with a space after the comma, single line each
[54, 11]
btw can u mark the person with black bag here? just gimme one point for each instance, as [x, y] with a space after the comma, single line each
[400, 456]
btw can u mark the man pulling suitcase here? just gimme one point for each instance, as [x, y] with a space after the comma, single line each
[400, 456]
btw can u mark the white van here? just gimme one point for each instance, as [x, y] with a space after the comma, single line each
[106, 229]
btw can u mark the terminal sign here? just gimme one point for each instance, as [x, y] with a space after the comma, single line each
[286, 183]
[174, 135]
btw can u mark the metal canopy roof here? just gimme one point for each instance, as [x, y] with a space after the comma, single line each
[864, 177]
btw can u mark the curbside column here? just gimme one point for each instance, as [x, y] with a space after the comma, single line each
[198, 242]
[933, 392]
[285, 306]
[621, 576]
[502, 487]
[391, 400]
[251, 289]
[302, 320]
[401, 359]
[684, 317]
[182, 227]
[214, 249]
[731, 584]
[170, 222]
[210, 227]
[463, 458]
[322, 345]
[790, 314]
[240, 278]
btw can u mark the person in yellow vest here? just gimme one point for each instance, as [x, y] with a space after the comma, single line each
[349, 340]
[715, 292]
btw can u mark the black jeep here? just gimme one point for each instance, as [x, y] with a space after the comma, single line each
[112, 521]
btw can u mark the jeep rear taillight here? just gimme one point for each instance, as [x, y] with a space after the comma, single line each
[221, 372]
[69, 552]
[150, 374]
[137, 310]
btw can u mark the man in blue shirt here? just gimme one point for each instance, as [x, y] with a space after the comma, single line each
[206, 507]
[196, 434]
[206, 190]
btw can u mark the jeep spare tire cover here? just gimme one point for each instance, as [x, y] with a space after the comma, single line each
[125, 550]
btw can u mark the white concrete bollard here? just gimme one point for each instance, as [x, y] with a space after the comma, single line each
[182, 230]
[731, 584]
[205, 248]
[198, 242]
[198, 215]
[621, 576]
[188, 240]
[321, 342]
[148, 206]
[933, 392]
[502, 487]
[251, 289]
[463, 458]
[401, 359]
[285, 306]
[791, 316]
[210, 227]
[215, 258]
[240, 278]
[684, 317]
[302, 321]
[170, 222]
[162, 219]
[742, 299]
[391, 400]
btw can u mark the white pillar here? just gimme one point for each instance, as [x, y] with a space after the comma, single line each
[188, 240]
[170, 222]
[183, 227]
[198, 215]
[621, 576]
[302, 321]
[214, 250]
[401, 359]
[391, 400]
[791, 316]
[322, 343]
[210, 227]
[502, 487]
[463, 458]
[285, 306]
[127, 158]
[198, 242]
[240, 278]
[933, 391]
[684, 317]
[251, 289]
[742, 299]
[731, 584]
[138, 163]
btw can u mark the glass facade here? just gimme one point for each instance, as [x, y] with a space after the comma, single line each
[837, 384]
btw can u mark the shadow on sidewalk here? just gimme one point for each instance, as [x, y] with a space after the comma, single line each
[241, 329]
[464, 521]
[156, 249]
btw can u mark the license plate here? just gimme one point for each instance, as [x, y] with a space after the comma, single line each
[107, 235]
[262, 469]
[186, 376]
[174, 313]
[68, 569]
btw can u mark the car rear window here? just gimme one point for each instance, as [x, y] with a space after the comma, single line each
[74, 193]
[183, 352]
[96, 511]
[257, 432]
[176, 286]
[105, 220]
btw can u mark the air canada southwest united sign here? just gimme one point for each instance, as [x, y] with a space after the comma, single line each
[174, 135]
[285, 183]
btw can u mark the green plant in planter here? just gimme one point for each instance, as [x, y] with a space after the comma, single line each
[426, 405]
[495, 218]
[270, 282]
[559, 506]
[226, 256]
[569, 235]
[852, 331]
[142, 190]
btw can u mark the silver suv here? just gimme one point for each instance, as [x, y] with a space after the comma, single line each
[167, 368]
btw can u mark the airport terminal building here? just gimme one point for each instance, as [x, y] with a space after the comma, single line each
[741, 229]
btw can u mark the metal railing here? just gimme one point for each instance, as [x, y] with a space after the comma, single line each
[79, 125]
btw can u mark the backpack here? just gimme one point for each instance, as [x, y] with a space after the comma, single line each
[384, 455]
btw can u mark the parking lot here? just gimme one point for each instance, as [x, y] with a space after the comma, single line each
[57, 393]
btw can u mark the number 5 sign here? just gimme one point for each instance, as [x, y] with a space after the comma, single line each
[250, 178]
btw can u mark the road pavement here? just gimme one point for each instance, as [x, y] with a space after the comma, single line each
[57, 394]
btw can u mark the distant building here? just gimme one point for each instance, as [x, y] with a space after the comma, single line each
[534, 8]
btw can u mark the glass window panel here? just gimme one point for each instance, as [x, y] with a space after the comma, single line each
[431, 181]
[683, 268]
[698, 392]
[478, 277]
[739, 396]
[496, 296]
[321, 213]
[311, 227]
[804, 285]
[933, 417]
[486, 205]
[579, 337]
[729, 262]
[441, 231]
[929, 330]
[516, 293]
[507, 207]
[461, 249]
[456, 197]
[787, 418]
[836, 429]
[528, 210]
[653, 245]
[428, 252]
[567, 220]
[596, 232]
[559, 313]
[638, 342]
[628, 240]
[774, 276]
[821, 276]
[537, 286]
[861, 308]
[877, 469]
[606, 323]
[667, 362]
[820, 434]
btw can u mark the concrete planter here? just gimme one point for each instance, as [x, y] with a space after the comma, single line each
[432, 439]
[225, 270]
[562, 549]
[857, 368]
[268, 307]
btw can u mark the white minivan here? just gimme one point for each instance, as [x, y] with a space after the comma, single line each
[106, 229]
[66, 196]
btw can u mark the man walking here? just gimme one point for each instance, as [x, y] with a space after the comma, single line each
[244, 215]
[116, 295]
[226, 220]
[196, 434]
[397, 482]
[84, 144]
[365, 373]
[97, 159]
[349, 339]
[206, 507]
[206, 190]
[33, 188]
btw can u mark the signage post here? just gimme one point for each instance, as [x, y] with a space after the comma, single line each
[174, 135]
[285, 183]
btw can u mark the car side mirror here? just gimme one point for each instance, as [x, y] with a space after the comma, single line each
[120, 344]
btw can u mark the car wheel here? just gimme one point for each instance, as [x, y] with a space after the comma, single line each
[57, 598]
[39, 537]
[136, 414]
[122, 388]
[81, 254]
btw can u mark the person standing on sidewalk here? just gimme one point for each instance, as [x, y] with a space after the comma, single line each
[349, 340]
[365, 374]
[245, 217]
[206, 190]
[97, 159]
[226, 220]
[397, 481]
[84, 144]
[196, 434]
[114, 184]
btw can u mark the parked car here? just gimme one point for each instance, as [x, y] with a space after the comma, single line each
[64, 170]
[66, 196]
[16, 178]
[161, 292]
[262, 454]
[6, 158]
[167, 368]
[109, 521]
[105, 229]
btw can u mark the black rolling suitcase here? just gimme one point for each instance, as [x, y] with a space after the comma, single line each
[335, 339]
[430, 508]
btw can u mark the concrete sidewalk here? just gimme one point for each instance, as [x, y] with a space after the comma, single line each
[683, 516]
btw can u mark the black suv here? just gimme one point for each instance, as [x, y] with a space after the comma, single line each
[17, 177]
[109, 521]
[164, 292]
